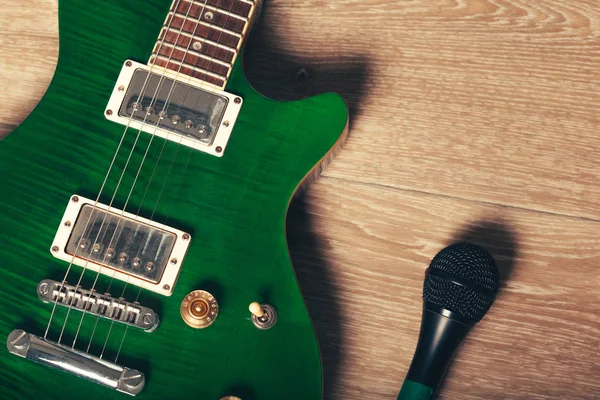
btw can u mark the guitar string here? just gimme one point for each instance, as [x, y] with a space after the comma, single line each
[164, 143]
[152, 103]
[94, 208]
[103, 222]
[120, 217]
[191, 153]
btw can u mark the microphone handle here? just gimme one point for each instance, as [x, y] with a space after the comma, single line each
[412, 390]
[442, 331]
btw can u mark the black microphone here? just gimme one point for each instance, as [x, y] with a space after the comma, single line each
[460, 286]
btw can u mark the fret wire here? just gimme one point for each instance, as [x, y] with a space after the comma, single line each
[195, 53]
[192, 59]
[247, 11]
[220, 44]
[227, 13]
[200, 30]
[202, 39]
[191, 66]
[212, 26]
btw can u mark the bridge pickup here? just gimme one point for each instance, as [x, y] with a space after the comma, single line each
[121, 245]
[102, 305]
[78, 363]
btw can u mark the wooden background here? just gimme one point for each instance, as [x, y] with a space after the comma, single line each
[471, 120]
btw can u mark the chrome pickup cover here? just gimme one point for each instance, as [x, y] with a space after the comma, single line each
[166, 104]
[102, 305]
[121, 245]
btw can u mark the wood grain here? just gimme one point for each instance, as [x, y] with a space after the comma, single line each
[492, 101]
[28, 53]
[473, 119]
[540, 338]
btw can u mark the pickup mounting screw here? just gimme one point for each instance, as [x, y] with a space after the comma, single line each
[136, 262]
[173, 261]
[128, 63]
[121, 88]
[74, 199]
[55, 249]
[237, 100]
[108, 112]
[110, 253]
[186, 236]
[166, 287]
[226, 124]
[219, 149]
[67, 223]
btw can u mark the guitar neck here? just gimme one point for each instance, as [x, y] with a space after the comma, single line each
[201, 39]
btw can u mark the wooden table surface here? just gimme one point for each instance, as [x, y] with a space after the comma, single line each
[471, 119]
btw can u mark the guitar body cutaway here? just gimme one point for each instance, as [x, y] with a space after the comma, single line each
[234, 207]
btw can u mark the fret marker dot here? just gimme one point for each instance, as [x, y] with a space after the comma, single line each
[197, 46]
[208, 16]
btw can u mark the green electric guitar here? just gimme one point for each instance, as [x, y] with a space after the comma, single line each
[142, 214]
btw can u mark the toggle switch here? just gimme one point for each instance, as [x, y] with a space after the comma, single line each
[263, 316]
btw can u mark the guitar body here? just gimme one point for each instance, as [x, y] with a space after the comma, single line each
[234, 207]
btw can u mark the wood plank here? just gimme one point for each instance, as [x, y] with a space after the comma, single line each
[480, 100]
[361, 252]
[33, 37]
[486, 101]
[5, 129]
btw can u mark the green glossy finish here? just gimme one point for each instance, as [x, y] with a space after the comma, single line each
[415, 391]
[234, 206]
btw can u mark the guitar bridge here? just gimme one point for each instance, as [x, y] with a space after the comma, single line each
[102, 305]
[78, 363]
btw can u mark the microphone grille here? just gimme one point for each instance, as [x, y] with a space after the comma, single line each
[462, 278]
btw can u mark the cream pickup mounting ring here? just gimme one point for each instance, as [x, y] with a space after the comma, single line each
[184, 111]
[133, 249]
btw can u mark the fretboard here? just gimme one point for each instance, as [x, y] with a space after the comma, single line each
[202, 38]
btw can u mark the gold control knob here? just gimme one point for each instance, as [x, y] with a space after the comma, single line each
[199, 309]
